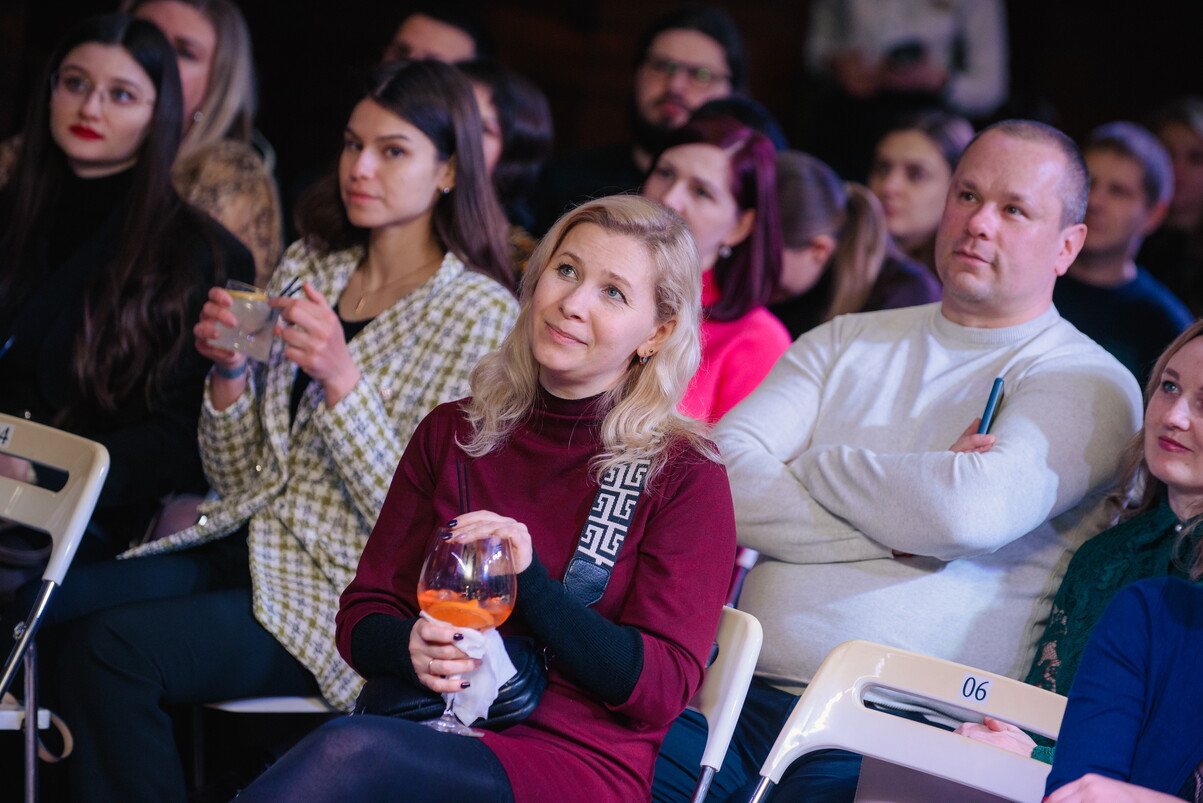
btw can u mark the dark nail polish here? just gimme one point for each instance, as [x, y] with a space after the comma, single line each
[453, 522]
[465, 685]
[446, 536]
[458, 637]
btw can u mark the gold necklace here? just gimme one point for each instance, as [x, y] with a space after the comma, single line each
[364, 295]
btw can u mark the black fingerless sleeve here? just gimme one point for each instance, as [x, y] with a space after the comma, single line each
[380, 646]
[605, 658]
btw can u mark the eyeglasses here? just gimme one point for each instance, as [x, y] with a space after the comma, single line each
[698, 75]
[77, 87]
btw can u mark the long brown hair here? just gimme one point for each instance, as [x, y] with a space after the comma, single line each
[814, 201]
[1139, 491]
[137, 312]
[436, 99]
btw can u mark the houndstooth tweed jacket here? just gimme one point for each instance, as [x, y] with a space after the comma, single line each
[312, 490]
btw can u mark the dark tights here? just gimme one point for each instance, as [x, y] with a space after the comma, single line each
[365, 758]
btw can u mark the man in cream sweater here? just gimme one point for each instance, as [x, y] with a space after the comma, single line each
[858, 476]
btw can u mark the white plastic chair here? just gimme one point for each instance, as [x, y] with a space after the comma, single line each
[275, 705]
[721, 697]
[64, 515]
[907, 760]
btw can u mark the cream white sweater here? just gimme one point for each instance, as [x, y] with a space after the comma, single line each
[842, 456]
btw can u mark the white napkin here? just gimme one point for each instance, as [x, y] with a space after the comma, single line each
[495, 670]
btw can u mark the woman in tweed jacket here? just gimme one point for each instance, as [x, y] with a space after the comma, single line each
[301, 449]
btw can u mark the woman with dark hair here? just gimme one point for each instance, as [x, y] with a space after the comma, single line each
[518, 134]
[911, 169]
[584, 391]
[838, 257]
[300, 448]
[104, 269]
[720, 176]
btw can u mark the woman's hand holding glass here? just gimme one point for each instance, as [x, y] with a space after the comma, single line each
[464, 584]
[226, 389]
[314, 340]
[217, 310]
[479, 524]
[437, 658]
[433, 648]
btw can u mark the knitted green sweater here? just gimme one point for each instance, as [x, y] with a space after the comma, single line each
[1136, 549]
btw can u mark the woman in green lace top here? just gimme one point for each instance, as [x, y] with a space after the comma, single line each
[1158, 536]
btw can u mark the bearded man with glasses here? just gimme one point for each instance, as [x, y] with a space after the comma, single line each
[686, 58]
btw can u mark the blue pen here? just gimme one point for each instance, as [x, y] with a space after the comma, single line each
[991, 407]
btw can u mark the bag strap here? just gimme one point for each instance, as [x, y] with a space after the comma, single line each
[605, 530]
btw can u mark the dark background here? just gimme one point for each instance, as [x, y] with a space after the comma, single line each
[1084, 61]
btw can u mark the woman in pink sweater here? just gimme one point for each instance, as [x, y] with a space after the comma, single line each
[721, 177]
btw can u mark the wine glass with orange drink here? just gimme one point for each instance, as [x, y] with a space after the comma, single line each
[466, 585]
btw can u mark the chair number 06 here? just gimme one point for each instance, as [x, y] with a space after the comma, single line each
[975, 689]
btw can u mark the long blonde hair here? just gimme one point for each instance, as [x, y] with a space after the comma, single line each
[642, 418]
[228, 108]
[1139, 491]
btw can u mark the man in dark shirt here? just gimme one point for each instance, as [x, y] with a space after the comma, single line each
[686, 58]
[1105, 293]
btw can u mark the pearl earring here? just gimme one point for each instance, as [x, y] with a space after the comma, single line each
[724, 251]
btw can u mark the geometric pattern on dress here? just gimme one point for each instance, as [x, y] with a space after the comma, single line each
[612, 511]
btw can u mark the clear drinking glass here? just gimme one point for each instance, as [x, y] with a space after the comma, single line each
[467, 585]
[256, 322]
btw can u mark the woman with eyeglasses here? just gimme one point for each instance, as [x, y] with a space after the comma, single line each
[103, 270]
[223, 166]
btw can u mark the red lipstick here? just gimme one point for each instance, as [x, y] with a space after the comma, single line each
[1171, 445]
[83, 132]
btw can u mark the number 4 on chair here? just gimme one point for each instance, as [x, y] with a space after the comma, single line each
[975, 689]
[6, 431]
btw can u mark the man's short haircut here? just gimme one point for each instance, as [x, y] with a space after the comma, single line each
[1139, 144]
[462, 14]
[707, 20]
[1074, 187]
